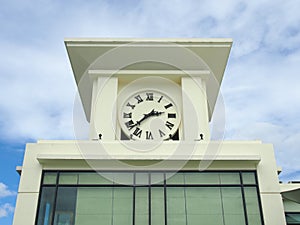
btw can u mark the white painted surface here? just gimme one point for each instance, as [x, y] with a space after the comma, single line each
[70, 155]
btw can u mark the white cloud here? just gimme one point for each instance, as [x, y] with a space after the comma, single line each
[36, 99]
[6, 209]
[262, 102]
[5, 192]
[260, 86]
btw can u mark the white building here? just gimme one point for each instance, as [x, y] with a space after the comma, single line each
[151, 157]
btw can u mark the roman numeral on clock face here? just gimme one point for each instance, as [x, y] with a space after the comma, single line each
[131, 106]
[148, 115]
[149, 135]
[161, 134]
[138, 132]
[169, 125]
[138, 98]
[127, 115]
[149, 97]
[160, 99]
[171, 115]
[168, 106]
[129, 124]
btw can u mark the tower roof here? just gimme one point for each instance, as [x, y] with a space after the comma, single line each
[105, 56]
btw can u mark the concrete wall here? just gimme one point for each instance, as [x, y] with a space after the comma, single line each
[88, 155]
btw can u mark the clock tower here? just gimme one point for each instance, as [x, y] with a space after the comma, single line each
[147, 89]
[150, 157]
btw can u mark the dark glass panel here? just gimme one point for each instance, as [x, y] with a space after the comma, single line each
[46, 206]
[65, 205]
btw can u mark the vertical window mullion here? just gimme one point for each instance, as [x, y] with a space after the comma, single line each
[133, 203]
[149, 197]
[112, 205]
[55, 197]
[244, 200]
[165, 200]
[222, 201]
[185, 199]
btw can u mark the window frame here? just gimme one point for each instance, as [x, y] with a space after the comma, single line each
[286, 213]
[149, 185]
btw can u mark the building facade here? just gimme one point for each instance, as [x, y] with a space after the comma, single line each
[152, 156]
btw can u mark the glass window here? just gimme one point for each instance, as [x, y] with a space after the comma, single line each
[141, 205]
[65, 205]
[230, 178]
[93, 204]
[176, 207]
[94, 178]
[157, 206]
[204, 204]
[175, 178]
[123, 178]
[68, 178]
[252, 206]
[126, 198]
[157, 178]
[248, 178]
[202, 178]
[46, 206]
[122, 206]
[292, 218]
[233, 205]
[50, 178]
[141, 178]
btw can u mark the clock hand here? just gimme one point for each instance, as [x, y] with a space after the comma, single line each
[152, 113]
[145, 117]
[156, 113]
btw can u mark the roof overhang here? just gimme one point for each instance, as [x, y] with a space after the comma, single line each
[291, 192]
[89, 55]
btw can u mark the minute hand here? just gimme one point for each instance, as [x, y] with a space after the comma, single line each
[145, 117]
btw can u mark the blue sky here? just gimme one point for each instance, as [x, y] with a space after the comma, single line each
[260, 87]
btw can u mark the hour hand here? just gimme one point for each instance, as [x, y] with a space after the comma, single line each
[156, 113]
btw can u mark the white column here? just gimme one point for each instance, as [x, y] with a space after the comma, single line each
[104, 100]
[195, 111]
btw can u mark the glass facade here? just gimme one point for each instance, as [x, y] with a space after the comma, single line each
[153, 198]
[292, 218]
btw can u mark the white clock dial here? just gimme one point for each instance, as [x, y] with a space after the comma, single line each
[149, 115]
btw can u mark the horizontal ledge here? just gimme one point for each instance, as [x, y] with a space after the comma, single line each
[292, 195]
[129, 43]
[150, 45]
[202, 73]
[50, 157]
[113, 40]
[289, 187]
[132, 142]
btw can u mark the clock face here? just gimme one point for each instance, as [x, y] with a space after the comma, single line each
[149, 115]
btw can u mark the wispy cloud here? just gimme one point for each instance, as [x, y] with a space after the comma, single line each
[6, 209]
[5, 192]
